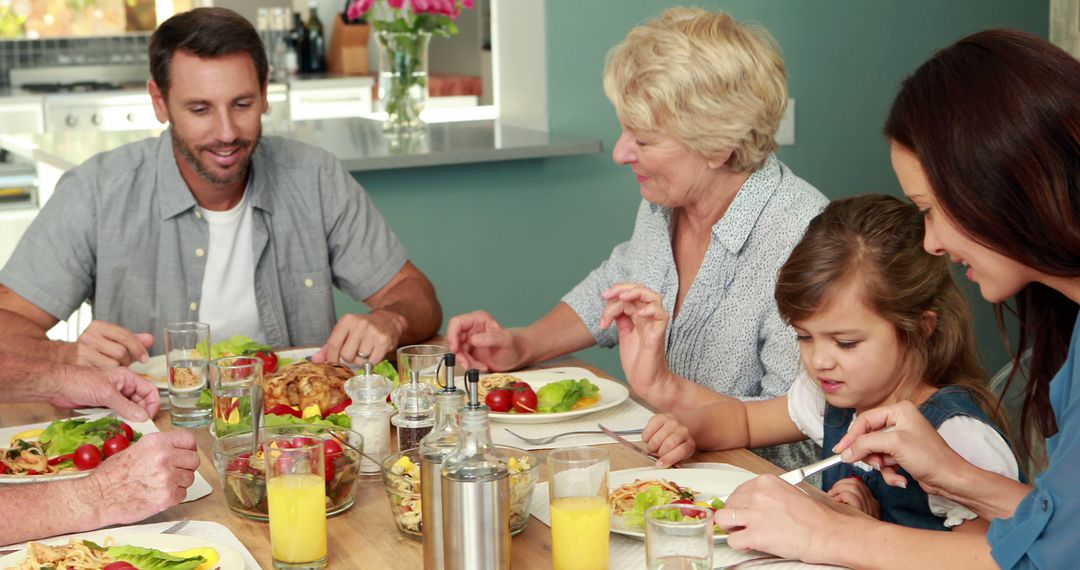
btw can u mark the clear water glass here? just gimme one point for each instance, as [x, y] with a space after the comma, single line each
[187, 349]
[679, 537]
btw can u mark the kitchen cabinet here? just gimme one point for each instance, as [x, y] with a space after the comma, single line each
[330, 98]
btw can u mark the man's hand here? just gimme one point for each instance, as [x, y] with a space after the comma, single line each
[481, 342]
[143, 480]
[132, 396]
[105, 345]
[358, 338]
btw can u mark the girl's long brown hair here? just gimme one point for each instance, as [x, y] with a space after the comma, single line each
[875, 242]
[995, 123]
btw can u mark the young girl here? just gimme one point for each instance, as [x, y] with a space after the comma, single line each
[879, 320]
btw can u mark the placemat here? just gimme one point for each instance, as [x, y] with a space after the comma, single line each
[627, 415]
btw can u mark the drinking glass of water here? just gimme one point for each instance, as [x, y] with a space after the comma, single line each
[679, 537]
[187, 350]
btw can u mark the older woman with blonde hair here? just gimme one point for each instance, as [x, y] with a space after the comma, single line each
[700, 97]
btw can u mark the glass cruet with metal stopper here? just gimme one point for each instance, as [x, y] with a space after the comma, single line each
[475, 493]
[434, 448]
[370, 415]
[415, 403]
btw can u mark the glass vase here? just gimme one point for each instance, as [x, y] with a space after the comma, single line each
[403, 78]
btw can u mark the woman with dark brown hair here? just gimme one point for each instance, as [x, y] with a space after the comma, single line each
[986, 142]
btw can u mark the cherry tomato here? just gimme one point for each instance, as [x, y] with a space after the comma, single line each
[119, 566]
[691, 513]
[128, 432]
[332, 449]
[3, 468]
[240, 464]
[87, 456]
[499, 400]
[329, 470]
[303, 441]
[269, 361]
[114, 445]
[525, 401]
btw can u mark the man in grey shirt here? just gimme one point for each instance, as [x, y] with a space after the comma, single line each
[213, 222]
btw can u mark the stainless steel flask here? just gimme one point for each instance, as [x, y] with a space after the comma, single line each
[433, 450]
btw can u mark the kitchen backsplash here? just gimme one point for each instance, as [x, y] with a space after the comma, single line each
[127, 49]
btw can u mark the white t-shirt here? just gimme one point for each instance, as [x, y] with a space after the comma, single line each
[228, 287]
[974, 440]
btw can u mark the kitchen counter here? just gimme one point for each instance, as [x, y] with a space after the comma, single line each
[360, 144]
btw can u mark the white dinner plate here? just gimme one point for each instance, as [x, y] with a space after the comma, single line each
[157, 369]
[230, 559]
[707, 484]
[5, 441]
[612, 394]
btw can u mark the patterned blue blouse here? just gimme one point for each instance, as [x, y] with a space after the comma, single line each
[727, 335]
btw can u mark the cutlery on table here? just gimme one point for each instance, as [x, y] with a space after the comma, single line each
[795, 476]
[174, 529]
[623, 441]
[551, 438]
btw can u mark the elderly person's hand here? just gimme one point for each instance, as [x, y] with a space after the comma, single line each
[911, 443]
[105, 345]
[639, 316]
[771, 515]
[143, 480]
[480, 342]
[130, 395]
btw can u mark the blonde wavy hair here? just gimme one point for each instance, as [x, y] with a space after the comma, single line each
[713, 84]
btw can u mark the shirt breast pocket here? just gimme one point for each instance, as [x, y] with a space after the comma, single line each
[303, 283]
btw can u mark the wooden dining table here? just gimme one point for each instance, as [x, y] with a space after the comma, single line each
[365, 536]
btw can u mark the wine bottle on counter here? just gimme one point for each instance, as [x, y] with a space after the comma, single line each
[314, 54]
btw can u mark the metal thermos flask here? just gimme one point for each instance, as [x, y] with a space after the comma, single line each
[433, 450]
[475, 494]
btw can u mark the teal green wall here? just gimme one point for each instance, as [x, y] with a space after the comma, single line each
[512, 237]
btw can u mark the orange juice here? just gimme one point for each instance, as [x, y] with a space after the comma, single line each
[297, 506]
[579, 533]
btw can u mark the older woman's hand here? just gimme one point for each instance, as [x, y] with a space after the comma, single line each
[899, 435]
[481, 342]
[639, 316]
[771, 515]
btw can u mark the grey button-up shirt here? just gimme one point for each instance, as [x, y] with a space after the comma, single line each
[123, 231]
[728, 335]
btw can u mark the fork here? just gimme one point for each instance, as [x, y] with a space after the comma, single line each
[551, 438]
[174, 529]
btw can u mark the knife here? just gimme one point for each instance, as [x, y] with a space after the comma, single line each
[795, 476]
[628, 444]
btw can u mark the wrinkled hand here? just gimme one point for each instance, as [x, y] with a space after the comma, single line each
[144, 479]
[774, 516]
[639, 316]
[105, 345]
[374, 334]
[912, 443]
[132, 396]
[666, 437]
[480, 342]
[852, 491]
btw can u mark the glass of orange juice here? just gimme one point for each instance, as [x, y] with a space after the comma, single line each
[296, 497]
[580, 516]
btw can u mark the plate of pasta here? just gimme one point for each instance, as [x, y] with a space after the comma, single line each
[159, 551]
[577, 390]
[635, 490]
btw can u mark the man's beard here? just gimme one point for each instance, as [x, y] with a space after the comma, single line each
[241, 145]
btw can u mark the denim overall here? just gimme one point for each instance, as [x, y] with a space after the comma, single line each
[908, 506]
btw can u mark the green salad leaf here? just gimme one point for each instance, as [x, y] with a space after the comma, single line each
[562, 395]
[339, 420]
[238, 345]
[151, 559]
[64, 436]
[651, 496]
[386, 369]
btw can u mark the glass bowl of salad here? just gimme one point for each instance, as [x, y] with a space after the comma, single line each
[401, 477]
[243, 475]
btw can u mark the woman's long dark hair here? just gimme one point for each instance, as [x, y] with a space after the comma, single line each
[995, 123]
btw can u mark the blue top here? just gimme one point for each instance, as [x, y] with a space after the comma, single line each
[1042, 533]
[905, 506]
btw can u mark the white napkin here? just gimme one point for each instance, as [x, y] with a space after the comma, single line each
[627, 415]
[627, 552]
[199, 529]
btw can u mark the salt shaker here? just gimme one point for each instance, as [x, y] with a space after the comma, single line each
[415, 403]
[475, 493]
[370, 415]
[433, 450]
